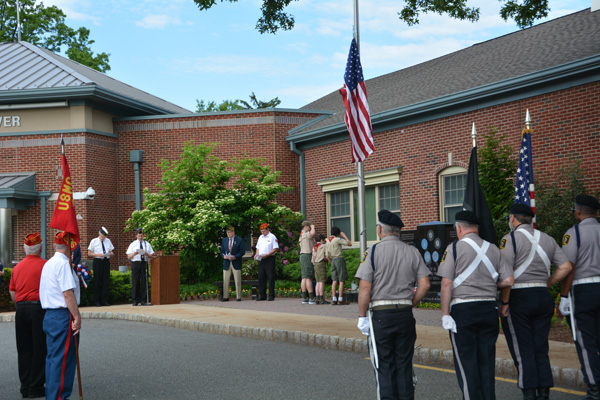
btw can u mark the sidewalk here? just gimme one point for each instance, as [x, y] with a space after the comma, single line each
[332, 327]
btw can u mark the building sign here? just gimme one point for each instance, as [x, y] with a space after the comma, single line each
[10, 121]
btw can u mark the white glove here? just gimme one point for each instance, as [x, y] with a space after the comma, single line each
[363, 325]
[564, 306]
[448, 323]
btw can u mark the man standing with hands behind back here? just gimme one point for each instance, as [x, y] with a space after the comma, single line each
[139, 252]
[266, 247]
[232, 251]
[101, 248]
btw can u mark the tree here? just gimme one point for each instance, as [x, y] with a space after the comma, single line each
[45, 27]
[497, 166]
[233, 105]
[274, 17]
[200, 195]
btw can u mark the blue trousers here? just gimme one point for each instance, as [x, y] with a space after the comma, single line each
[587, 321]
[60, 361]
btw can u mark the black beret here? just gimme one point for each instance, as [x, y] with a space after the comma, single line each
[521, 209]
[467, 216]
[389, 218]
[587, 201]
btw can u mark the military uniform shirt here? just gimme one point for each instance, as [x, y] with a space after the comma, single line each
[587, 257]
[266, 243]
[96, 246]
[537, 271]
[480, 283]
[334, 247]
[135, 245]
[306, 242]
[57, 277]
[397, 267]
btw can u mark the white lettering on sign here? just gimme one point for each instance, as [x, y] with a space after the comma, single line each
[10, 121]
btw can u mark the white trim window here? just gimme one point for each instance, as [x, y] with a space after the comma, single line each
[452, 181]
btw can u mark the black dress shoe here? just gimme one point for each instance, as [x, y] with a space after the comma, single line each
[97, 305]
[260, 299]
[271, 299]
[105, 305]
[225, 299]
[238, 299]
[134, 304]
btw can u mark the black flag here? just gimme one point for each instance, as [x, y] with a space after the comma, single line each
[475, 201]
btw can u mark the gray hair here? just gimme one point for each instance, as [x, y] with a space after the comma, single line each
[60, 247]
[33, 249]
[390, 229]
[466, 225]
[585, 209]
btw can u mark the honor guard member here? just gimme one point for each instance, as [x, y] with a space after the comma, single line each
[307, 241]
[388, 273]
[59, 295]
[232, 251]
[581, 244]
[472, 270]
[266, 247]
[139, 252]
[29, 318]
[101, 248]
[527, 308]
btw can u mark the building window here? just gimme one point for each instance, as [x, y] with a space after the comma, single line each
[339, 212]
[453, 181]
[389, 198]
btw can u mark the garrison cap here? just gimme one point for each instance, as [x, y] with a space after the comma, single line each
[521, 209]
[468, 217]
[587, 201]
[389, 218]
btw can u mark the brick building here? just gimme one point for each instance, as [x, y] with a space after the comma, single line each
[421, 116]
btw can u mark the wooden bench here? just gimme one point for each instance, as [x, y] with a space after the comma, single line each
[253, 284]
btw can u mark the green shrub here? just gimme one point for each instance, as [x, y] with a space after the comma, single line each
[5, 302]
[292, 271]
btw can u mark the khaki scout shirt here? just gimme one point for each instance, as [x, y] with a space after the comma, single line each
[318, 252]
[397, 267]
[334, 247]
[480, 283]
[587, 257]
[537, 271]
[306, 242]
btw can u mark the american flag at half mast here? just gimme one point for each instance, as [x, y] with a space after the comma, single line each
[358, 119]
[524, 187]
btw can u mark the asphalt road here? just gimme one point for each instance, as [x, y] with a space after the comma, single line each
[130, 360]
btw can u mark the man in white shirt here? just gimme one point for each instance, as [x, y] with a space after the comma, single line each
[101, 248]
[139, 252]
[266, 247]
[59, 295]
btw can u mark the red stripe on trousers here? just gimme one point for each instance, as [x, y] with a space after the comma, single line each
[64, 362]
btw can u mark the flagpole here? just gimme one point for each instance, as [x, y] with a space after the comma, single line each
[474, 135]
[360, 167]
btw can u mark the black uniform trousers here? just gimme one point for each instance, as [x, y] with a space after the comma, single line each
[395, 337]
[266, 271]
[139, 277]
[474, 345]
[31, 347]
[101, 268]
[587, 321]
[526, 330]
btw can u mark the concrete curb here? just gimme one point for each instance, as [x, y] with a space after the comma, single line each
[566, 377]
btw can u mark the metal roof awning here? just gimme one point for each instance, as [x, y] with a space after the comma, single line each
[17, 190]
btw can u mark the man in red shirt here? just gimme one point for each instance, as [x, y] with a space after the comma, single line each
[29, 318]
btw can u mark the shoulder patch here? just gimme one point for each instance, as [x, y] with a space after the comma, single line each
[364, 256]
[444, 256]
[566, 240]
[502, 244]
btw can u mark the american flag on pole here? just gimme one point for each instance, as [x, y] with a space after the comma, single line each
[524, 188]
[358, 119]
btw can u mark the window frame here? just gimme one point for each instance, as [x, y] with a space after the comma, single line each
[454, 170]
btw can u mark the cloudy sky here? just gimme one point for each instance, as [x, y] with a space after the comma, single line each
[173, 50]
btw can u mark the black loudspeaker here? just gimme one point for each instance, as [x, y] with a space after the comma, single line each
[431, 239]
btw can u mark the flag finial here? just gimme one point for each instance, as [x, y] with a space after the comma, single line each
[474, 135]
[527, 120]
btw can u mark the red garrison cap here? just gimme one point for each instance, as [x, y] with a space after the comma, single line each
[32, 239]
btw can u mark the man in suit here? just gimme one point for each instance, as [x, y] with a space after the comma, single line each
[232, 251]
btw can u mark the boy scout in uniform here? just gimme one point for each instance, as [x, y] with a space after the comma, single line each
[526, 317]
[388, 273]
[339, 273]
[320, 262]
[471, 270]
[307, 242]
[581, 244]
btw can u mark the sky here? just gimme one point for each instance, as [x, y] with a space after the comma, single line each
[171, 49]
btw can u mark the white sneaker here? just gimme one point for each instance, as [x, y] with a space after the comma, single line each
[312, 301]
[305, 301]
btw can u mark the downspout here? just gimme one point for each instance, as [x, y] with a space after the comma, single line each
[43, 229]
[136, 156]
[302, 178]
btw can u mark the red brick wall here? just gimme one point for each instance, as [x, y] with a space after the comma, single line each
[566, 127]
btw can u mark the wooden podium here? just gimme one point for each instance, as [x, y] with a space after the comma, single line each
[165, 280]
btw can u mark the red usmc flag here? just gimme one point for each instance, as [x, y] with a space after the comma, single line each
[64, 217]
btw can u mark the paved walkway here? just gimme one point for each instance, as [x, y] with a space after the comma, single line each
[319, 325]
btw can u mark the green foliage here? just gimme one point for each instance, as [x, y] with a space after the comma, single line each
[5, 301]
[555, 197]
[259, 103]
[199, 196]
[45, 27]
[497, 165]
[292, 271]
[234, 105]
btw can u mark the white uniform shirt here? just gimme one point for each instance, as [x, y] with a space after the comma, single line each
[266, 244]
[135, 245]
[96, 246]
[57, 277]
